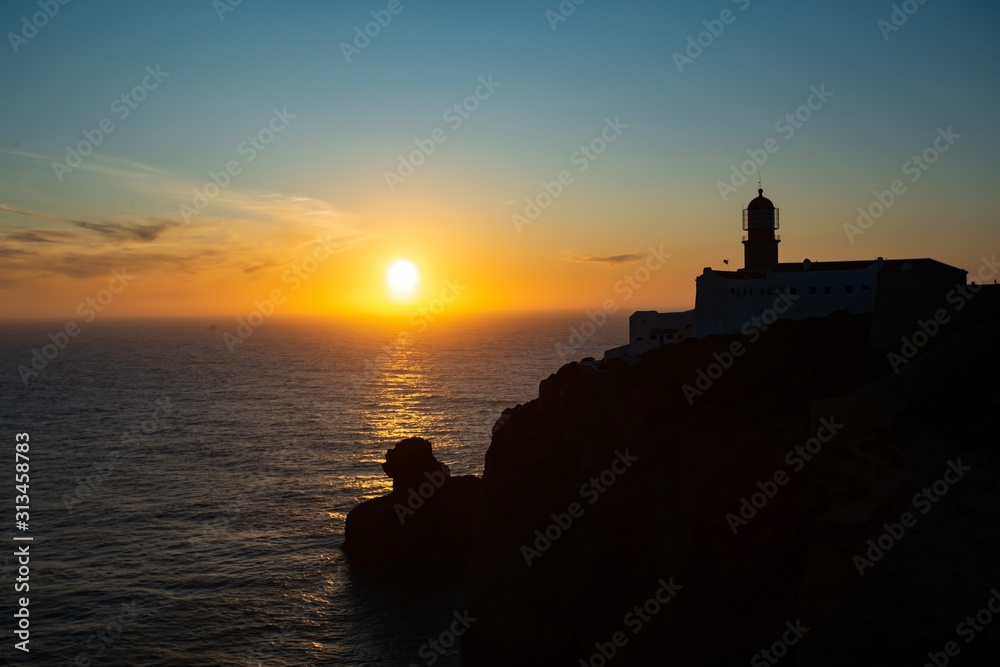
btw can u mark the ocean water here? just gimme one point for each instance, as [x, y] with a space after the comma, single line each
[187, 503]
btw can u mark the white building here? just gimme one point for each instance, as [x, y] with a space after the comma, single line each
[726, 302]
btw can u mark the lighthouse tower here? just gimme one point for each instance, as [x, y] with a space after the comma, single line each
[760, 245]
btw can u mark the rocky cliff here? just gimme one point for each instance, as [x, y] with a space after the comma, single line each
[783, 496]
[425, 521]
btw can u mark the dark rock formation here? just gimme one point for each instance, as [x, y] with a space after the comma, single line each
[758, 497]
[425, 520]
[411, 463]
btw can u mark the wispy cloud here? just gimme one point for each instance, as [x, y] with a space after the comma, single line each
[104, 165]
[31, 214]
[39, 236]
[127, 231]
[132, 232]
[265, 265]
[605, 259]
[241, 235]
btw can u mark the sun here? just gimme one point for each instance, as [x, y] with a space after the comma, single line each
[402, 278]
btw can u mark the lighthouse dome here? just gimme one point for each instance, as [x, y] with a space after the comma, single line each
[760, 203]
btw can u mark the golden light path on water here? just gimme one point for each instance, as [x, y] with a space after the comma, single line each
[397, 390]
[401, 391]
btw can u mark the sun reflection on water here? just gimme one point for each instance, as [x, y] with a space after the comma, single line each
[400, 392]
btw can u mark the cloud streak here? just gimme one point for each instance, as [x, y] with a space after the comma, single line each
[609, 260]
[39, 236]
[119, 231]
[131, 232]
[57, 240]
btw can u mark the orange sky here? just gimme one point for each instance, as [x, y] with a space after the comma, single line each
[326, 261]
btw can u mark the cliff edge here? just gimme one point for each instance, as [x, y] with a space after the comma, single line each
[734, 500]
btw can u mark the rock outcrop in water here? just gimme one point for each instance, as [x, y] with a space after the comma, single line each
[799, 498]
[425, 520]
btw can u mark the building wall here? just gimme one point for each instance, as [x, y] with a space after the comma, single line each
[727, 302]
[724, 305]
[643, 323]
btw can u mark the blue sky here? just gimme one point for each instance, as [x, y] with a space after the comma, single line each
[658, 184]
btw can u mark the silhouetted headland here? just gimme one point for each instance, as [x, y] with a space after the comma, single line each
[425, 520]
[811, 497]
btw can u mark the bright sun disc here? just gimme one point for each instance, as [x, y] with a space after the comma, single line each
[402, 277]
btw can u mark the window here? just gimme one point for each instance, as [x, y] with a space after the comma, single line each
[812, 290]
[849, 289]
[827, 290]
[793, 290]
[865, 287]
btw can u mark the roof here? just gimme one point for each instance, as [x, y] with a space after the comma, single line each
[760, 202]
[888, 266]
[738, 275]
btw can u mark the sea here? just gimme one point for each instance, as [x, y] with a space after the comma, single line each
[186, 498]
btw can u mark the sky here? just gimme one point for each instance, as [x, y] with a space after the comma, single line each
[525, 156]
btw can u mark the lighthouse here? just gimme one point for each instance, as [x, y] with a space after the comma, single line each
[760, 244]
[747, 301]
